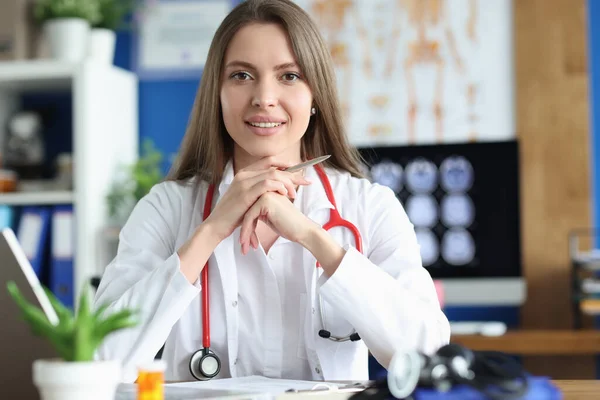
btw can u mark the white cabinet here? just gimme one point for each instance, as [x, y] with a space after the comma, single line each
[104, 137]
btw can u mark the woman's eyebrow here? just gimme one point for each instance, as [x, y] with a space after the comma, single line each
[244, 64]
[289, 65]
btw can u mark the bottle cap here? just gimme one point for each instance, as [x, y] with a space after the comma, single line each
[153, 366]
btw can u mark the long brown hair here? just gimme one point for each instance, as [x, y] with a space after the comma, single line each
[207, 146]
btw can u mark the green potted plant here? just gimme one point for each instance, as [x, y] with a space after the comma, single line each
[103, 37]
[66, 26]
[74, 375]
[134, 183]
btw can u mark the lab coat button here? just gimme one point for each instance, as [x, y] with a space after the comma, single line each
[313, 310]
[234, 303]
[318, 370]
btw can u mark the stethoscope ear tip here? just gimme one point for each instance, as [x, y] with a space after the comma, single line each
[324, 334]
[355, 337]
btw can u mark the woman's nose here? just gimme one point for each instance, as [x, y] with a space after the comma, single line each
[265, 95]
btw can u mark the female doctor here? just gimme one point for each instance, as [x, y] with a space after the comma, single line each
[282, 296]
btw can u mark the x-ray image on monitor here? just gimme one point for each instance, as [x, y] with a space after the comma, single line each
[475, 187]
[421, 176]
[456, 174]
[388, 173]
[430, 249]
[457, 210]
[422, 210]
[458, 246]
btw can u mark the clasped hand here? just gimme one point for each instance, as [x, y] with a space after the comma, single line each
[261, 192]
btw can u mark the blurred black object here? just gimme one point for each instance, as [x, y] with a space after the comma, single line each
[24, 147]
[493, 374]
[95, 282]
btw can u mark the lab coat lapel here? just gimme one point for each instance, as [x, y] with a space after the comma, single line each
[316, 206]
[224, 256]
[225, 260]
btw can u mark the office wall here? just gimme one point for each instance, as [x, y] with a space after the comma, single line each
[164, 105]
[593, 27]
[553, 130]
[593, 32]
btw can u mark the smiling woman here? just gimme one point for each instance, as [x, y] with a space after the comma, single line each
[289, 296]
[265, 99]
[271, 55]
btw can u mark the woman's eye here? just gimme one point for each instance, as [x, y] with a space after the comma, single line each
[290, 77]
[241, 76]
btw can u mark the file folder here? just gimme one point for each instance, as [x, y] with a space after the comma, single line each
[33, 236]
[61, 264]
[6, 216]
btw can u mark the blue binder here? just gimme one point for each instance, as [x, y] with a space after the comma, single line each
[6, 216]
[61, 268]
[33, 235]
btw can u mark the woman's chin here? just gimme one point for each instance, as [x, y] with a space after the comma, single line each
[265, 151]
[262, 150]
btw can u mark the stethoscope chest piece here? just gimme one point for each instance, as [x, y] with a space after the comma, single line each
[204, 365]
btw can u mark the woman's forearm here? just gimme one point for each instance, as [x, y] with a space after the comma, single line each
[194, 254]
[325, 249]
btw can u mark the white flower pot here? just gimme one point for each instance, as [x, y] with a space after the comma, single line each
[102, 45]
[60, 380]
[67, 38]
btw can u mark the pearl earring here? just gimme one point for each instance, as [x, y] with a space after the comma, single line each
[313, 111]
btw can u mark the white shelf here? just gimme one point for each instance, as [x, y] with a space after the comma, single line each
[36, 75]
[34, 198]
[104, 136]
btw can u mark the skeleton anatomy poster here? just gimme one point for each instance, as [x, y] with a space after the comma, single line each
[421, 71]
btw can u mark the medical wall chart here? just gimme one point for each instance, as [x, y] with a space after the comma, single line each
[421, 71]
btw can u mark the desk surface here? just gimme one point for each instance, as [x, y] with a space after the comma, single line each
[575, 389]
[579, 389]
[536, 342]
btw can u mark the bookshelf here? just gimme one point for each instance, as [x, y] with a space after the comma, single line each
[37, 198]
[104, 131]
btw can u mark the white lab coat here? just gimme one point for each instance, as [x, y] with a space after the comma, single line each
[385, 293]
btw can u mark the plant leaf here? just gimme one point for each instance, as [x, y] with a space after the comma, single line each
[119, 320]
[33, 315]
[98, 313]
[64, 313]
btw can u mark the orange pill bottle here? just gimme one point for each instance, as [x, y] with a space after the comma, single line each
[151, 379]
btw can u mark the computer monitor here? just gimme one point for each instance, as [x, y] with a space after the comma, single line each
[18, 345]
[463, 200]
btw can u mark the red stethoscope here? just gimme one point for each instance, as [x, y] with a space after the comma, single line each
[204, 363]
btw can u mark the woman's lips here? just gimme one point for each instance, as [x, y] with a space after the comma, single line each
[265, 128]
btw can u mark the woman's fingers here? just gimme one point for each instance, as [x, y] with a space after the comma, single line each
[289, 180]
[254, 242]
[249, 224]
[263, 187]
[254, 239]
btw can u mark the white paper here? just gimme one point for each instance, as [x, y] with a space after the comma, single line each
[393, 56]
[177, 34]
[249, 387]
[258, 384]
[30, 231]
[128, 391]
